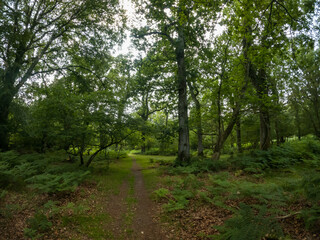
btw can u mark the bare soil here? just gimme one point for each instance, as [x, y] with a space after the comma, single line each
[117, 208]
[145, 225]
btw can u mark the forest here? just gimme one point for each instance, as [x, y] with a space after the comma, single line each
[154, 119]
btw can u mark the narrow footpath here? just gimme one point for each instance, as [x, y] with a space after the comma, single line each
[144, 225]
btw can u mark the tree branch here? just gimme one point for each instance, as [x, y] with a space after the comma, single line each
[141, 35]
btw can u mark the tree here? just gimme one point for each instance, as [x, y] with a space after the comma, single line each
[36, 37]
[261, 26]
[150, 91]
[180, 24]
[198, 119]
[307, 86]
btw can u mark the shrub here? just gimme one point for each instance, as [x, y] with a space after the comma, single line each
[44, 172]
[191, 183]
[198, 165]
[221, 188]
[209, 165]
[289, 154]
[310, 184]
[161, 193]
[181, 200]
[184, 190]
[182, 170]
[50, 183]
[311, 217]
[152, 151]
[37, 225]
[250, 224]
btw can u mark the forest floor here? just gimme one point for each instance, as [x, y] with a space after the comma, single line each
[113, 204]
[136, 198]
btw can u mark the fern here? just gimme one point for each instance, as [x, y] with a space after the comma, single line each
[50, 183]
[192, 183]
[311, 183]
[181, 200]
[311, 217]
[161, 193]
[249, 224]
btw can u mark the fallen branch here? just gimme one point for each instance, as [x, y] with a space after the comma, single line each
[289, 215]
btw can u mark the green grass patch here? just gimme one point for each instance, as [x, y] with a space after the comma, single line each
[110, 177]
[151, 172]
[93, 226]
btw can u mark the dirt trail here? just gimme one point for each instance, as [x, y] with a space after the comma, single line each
[144, 226]
[117, 208]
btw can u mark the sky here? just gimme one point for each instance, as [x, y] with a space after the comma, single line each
[126, 47]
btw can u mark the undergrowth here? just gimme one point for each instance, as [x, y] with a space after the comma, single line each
[261, 185]
[250, 223]
[46, 173]
[306, 152]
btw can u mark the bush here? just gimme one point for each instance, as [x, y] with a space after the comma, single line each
[221, 188]
[279, 157]
[310, 184]
[209, 165]
[200, 165]
[50, 183]
[161, 194]
[44, 172]
[184, 190]
[37, 225]
[250, 224]
[181, 200]
[153, 151]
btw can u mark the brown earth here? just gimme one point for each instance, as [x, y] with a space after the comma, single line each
[117, 209]
[145, 226]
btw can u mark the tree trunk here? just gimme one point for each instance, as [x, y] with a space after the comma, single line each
[5, 101]
[220, 121]
[297, 121]
[277, 130]
[143, 146]
[198, 119]
[238, 128]
[4, 131]
[92, 157]
[265, 131]
[260, 83]
[81, 158]
[223, 137]
[184, 146]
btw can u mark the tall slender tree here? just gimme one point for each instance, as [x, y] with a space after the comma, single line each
[182, 25]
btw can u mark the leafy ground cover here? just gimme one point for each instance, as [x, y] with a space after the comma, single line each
[257, 195]
[107, 201]
[58, 199]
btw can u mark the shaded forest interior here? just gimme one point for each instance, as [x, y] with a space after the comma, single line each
[218, 102]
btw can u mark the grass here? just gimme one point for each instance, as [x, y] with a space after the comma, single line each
[109, 179]
[130, 203]
[180, 190]
[151, 173]
[93, 226]
[278, 192]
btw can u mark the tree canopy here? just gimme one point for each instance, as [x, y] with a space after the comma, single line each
[206, 77]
